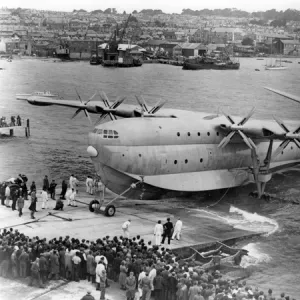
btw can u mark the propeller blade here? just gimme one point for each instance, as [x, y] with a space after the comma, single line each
[102, 117]
[88, 116]
[245, 119]
[252, 143]
[90, 99]
[226, 139]
[78, 95]
[281, 147]
[118, 102]
[142, 103]
[157, 106]
[297, 143]
[228, 117]
[76, 113]
[244, 137]
[104, 98]
[297, 130]
[280, 123]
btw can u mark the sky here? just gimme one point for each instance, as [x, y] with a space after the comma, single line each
[167, 6]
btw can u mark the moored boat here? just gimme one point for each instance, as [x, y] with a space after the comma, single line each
[189, 65]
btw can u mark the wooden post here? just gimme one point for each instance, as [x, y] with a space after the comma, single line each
[28, 128]
[11, 132]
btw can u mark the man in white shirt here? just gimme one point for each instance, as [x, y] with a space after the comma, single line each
[76, 266]
[44, 199]
[73, 182]
[158, 231]
[89, 185]
[7, 196]
[177, 230]
[99, 269]
[125, 228]
[73, 198]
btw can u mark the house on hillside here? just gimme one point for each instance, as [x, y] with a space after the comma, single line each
[288, 47]
[189, 49]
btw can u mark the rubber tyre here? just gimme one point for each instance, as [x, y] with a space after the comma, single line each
[91, 205]
[110, 210]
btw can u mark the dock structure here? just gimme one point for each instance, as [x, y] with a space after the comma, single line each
[11, 128]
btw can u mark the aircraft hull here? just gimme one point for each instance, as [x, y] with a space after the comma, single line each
[118, 182]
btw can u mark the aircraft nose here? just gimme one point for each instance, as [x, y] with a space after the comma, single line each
[92, 151]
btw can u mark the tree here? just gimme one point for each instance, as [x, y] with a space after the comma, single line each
[247, 41]
[107, 11]
[278, 23]
[124, 12]
[134, 12]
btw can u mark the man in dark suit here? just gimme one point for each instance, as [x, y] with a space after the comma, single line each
[168, 227]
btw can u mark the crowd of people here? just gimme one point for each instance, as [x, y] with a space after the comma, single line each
[141, 270]
[14, 121]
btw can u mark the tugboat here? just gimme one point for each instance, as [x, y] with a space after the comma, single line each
[210, 63]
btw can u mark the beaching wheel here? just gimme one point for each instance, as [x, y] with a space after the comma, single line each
[94, 204]
[110, 210]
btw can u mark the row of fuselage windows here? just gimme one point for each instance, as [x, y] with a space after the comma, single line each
[107, 134]
[198, 133]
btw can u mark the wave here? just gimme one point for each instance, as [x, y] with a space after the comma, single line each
[254, 257]
[253, 222]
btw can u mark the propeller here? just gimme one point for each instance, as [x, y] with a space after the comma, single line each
[83, 107]
[109, 107]
[237, 128]
[144, 107]
[289, 137]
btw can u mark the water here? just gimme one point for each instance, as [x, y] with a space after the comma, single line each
[57, 146]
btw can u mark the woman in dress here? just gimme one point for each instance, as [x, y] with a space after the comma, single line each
[122, 276]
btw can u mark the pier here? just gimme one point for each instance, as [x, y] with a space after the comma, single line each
[13, 128]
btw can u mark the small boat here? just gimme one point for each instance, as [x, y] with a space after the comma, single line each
[9, 60]
[223, 255]
[260, 59]
[275, 67]
[287, 61]
[41, 94]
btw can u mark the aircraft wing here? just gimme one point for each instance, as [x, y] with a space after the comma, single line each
[284, 94]
[45, 101]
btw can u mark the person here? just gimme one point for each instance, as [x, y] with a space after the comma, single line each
[100, 267]
[125, 228]
[91, 267]
[52, 189]
[44, 199]
[130, 286]
[59, 205]
[73, 198]
[103, 279]
[32, 187]
[177, 230]
[13, 121]
[146, 286]
[158, 231]
[122, 276]
[35, 274]
[73, 182]
[54, 265]
[14, 194]
[19, 122]
[64, 188]
[7, 196]
[89, 185]
[168, 226]
[46, 183]
[32, 206]
[2, 193]
[76, 266]
[20, 204]
[199, 296]
[88, 296]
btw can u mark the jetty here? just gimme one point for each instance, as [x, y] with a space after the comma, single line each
[14, 128]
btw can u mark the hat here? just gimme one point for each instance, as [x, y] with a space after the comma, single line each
[88, 291]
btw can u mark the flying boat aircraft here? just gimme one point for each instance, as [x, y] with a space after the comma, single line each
[150, 151]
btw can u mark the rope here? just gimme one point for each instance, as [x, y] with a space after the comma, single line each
[222, 197]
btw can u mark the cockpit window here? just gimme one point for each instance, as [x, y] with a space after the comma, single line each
[107, 134]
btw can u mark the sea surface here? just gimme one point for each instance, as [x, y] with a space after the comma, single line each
[57, 146]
